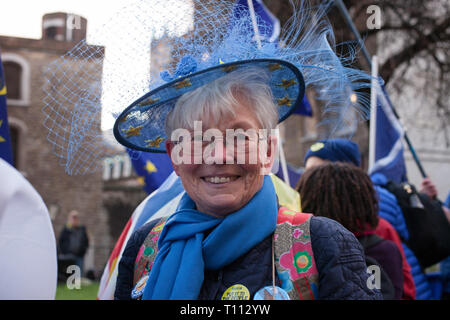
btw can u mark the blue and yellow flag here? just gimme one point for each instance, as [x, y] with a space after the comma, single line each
[151, 168]
[5, 140]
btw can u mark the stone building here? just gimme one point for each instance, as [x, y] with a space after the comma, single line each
[25, 62]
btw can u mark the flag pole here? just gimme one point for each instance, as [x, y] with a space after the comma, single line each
[343, 9]
[254, 22]
[373, 112]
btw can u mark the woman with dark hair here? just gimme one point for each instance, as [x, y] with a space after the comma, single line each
[344, 192]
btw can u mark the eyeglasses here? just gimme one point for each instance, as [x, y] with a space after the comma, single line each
[238, 140]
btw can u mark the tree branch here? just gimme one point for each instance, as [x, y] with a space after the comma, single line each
[422, 43]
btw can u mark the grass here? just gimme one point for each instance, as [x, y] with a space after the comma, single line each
[87, 291]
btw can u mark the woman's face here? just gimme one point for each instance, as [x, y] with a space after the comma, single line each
[219, 189]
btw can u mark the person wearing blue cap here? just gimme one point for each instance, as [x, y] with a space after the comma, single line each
[332, 150]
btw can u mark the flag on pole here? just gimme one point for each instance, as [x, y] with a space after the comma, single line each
[269, 30]
[5, 140]
[388, 139]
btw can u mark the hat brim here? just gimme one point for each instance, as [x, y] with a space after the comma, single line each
[141, 126]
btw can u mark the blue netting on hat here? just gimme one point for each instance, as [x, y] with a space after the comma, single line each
[88, 88]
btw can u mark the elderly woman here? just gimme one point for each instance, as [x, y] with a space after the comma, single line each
[229, 238]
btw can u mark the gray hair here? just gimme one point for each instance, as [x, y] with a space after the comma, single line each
[220, 97]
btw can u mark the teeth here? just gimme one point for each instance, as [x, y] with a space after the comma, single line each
[218, 179]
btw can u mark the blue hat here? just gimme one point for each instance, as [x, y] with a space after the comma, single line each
[141, 125]
[335, 150]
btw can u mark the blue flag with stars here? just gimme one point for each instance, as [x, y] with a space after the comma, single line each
[152, 168]
[5, 140]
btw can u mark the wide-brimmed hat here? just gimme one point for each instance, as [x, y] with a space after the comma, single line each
[180, 46]
[141, 125]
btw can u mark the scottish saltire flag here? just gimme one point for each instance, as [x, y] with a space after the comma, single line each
[389, 135]
[161, 203]
[5, 140]
[152, 168]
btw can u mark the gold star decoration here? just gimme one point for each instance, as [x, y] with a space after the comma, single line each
[141, 181]
[148, 101]
[1, 138]
[274, 66]
[287, 83]
[132, 131]
[183, 83]
[154, 143]
[150, 167]
[228, 69]
[285, 101]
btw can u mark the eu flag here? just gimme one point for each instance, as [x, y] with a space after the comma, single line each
[151, 168]
[5, 140]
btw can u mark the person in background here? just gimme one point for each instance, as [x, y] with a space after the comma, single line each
[345, 193]
[73, 240]
[28, 263]
[391, 224]
[429, 188]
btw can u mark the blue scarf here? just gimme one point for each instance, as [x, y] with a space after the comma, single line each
[184, 254]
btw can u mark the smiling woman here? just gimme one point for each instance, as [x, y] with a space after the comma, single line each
[239, 101]
[228, 234]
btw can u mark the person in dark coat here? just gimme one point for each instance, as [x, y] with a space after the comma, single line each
[73, 241]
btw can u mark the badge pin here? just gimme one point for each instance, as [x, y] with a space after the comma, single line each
[267, 293]
[236, 292]
[139, 288]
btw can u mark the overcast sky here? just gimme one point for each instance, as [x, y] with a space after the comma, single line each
[22, 18]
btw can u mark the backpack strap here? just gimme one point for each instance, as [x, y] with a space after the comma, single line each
[147, 252]
[294, 257]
